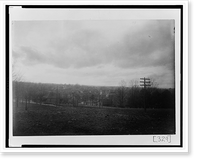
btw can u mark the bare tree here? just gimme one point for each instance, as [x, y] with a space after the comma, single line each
[16, 75]
[26, 94]
[133, 93]
[154, 84]
[100, 98]
[41, 92]
[134, 84]
[17, 84]
[121, 94]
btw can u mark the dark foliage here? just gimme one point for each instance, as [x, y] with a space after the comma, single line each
[79, 95]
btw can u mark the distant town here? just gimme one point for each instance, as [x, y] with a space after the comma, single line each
[131, 96]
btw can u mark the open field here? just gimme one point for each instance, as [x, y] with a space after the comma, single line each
[50, 120]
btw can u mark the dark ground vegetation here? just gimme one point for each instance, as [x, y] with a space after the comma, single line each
[52, 120]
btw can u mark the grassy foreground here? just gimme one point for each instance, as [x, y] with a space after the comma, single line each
[50, 120]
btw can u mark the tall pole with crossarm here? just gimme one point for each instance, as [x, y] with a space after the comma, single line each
[145, 82]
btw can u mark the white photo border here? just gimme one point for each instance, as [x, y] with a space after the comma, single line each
[10, 141]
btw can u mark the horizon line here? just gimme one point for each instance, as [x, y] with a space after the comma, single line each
[90, 85]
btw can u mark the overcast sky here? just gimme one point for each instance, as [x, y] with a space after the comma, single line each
[94, 52]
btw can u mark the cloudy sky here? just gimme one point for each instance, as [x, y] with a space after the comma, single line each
[94, 52]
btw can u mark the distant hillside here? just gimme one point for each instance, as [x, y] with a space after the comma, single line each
[79, 95]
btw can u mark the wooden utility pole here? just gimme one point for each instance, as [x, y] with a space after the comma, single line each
[145, 82]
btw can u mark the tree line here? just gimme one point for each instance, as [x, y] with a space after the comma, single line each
[133, 96]
[129, 96]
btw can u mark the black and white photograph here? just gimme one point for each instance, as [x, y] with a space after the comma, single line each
[89, 76]
[93, 77]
